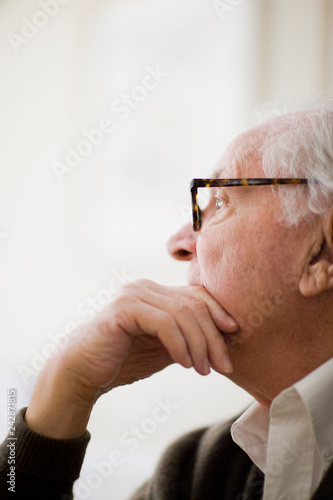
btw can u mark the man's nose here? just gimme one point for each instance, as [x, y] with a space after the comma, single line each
[182, 245]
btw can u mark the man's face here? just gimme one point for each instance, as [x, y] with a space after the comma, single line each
[250, 263]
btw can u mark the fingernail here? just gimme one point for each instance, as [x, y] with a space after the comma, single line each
[188, 361]
[231, 321]
[226, 363]
[206, 367]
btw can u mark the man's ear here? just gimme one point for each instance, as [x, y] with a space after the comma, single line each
[318, 274]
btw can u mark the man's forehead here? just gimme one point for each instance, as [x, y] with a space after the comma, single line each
[242, 158]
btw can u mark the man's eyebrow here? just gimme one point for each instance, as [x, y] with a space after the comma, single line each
[218, 173]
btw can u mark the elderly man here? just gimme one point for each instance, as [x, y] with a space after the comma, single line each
[258, 309]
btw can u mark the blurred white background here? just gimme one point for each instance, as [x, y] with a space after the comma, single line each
[69, 237]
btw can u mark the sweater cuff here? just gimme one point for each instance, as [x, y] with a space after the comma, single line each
[48, 458]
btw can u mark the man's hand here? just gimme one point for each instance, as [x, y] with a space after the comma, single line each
[145, 328]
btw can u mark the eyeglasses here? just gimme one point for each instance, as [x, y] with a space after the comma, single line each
[200, 183]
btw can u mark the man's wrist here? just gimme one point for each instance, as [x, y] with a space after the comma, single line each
[55, 409]
[69, 423]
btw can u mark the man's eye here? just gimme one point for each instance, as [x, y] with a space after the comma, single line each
[220, 203]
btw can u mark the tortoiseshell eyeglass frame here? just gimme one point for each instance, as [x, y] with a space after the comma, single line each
[198, 183]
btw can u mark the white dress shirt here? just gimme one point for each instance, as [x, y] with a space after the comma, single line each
[292, 442]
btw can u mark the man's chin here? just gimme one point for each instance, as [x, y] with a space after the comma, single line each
[193, 276]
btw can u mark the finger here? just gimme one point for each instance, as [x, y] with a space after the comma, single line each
[180, 309]
[218, 353]
[209, 314]
[330, 277]
[194, 320]
[142, 318]
[221, 318]
[193, 335]
[217, 348]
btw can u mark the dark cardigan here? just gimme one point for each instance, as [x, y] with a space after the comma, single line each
[203, 465]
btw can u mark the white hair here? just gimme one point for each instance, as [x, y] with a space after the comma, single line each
[301, 145]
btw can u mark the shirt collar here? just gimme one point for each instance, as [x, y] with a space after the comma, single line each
[250, 431]
[316, 392]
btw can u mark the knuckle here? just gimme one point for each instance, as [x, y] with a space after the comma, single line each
[122, 300]
[118, 320]
[200, 344]
[143, 282]
[216, 341]
[197, 290]
[199, 305]
[125, 288]
[165, 322]
[134, 286]
[183, 308]
[104, 325]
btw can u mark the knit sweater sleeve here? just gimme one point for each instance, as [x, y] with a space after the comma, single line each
[35, 466]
